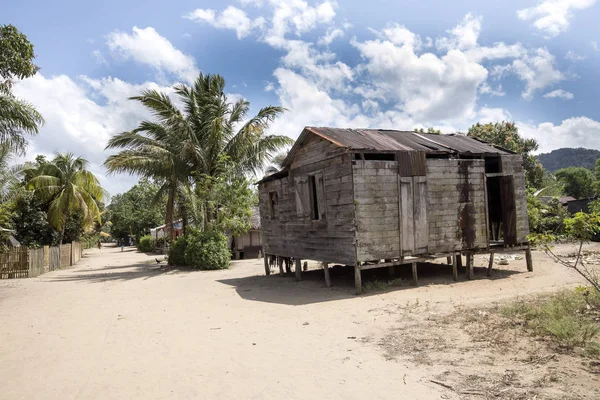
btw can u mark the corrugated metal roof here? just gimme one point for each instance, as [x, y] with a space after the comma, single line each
[393, 140]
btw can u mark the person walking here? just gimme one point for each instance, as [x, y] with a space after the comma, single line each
[99, 244]
[122, 244]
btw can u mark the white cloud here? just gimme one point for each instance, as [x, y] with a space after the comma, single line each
[463, 36]
[330, 36]
[553, 17]
[595, 45]
[485, 88]
[559, 94]
[572, 56]
[572, 132]
[425, 85]
[231, 18]
[146, 46]
[81, 115]
[486, 114]
[537, 69]
[99, 57]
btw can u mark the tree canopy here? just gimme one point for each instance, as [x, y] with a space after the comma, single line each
[204, 139]
[506, 135]
[68, 186]
[17, 117]
[578, 182]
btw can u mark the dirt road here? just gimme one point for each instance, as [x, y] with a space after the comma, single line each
[118, 326]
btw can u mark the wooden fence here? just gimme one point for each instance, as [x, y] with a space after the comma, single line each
[21, 262]
[13, 263]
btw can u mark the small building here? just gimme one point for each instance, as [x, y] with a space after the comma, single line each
[159, 233]
[248, 245]
[372, 198]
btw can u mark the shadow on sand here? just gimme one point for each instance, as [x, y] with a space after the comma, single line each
[285, 290]
[118, 273]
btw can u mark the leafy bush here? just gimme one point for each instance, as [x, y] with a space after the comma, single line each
[146, 244]
[177, 252]
[207, 250]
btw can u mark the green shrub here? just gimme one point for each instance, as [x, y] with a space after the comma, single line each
[207, 250]
[146, 244]
[177, 251]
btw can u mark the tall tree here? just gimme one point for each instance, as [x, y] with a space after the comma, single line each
[17, 117]
[68, 186]
[506, 135]
[184, 144]
[578, 182]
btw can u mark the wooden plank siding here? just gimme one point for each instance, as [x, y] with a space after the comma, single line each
[293, 232]
[513, 165]
[456, 205]
[376, 208]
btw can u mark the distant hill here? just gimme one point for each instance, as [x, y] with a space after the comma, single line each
[568, 157]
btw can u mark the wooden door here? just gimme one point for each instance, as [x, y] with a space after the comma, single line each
[414, 228]
[509, 210]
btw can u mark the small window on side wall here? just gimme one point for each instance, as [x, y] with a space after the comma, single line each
[317, 196]
[274, 205]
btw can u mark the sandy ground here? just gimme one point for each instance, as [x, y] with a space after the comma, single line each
[118, 326]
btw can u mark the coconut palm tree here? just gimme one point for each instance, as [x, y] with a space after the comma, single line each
[182, 145]
[68, 186]
[276, 163]
[9, 174]
[17, 118]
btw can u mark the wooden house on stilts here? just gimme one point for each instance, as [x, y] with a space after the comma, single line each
[372, 198]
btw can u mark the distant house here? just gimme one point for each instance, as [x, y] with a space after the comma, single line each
[372, 198]
[249, 244]
[158, 233]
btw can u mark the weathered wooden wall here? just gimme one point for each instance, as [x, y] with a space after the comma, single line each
[456, 205]
[513, 165]
[293, 233]
[377, 210]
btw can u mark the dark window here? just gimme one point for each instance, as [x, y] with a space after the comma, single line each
[380, 156]
[314, 200]
[492, 165]
[274, 205]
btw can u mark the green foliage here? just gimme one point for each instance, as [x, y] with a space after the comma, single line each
[17, 117]
[146, 244]
[582, 227]
[207, 250]
[430, 130]
[68, 187]
[568, 317]
[30, 221]
[577, 181]
[595, 206]
[547, 217]
[506, 135]
[226, 200]
[569, 157]
[192, 141]
[136, 211]
[177, 251]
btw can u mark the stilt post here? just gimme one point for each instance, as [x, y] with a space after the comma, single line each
[455, 267]
[459, 260]
[414, 274]
[528, 259]
[266, 260]
[326, 273]
[490, 264]
[280, 265]
[449, 260]
[298, 269]
[469, 257]
[391, 271]
[357, 278]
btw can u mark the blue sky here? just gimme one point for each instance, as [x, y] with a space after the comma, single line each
[381, 63]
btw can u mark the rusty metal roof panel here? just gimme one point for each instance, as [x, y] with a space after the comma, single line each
[393, 140]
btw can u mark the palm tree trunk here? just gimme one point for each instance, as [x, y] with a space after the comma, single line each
[62, 231]
[169, 214]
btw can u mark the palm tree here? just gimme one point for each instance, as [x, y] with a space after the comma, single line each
[17, 118]
[276, 163]
[68, 186]
[186, 144]
[9, 174]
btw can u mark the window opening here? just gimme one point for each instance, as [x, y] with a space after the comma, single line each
[274, 203]
[380, 156]
[314, 201]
